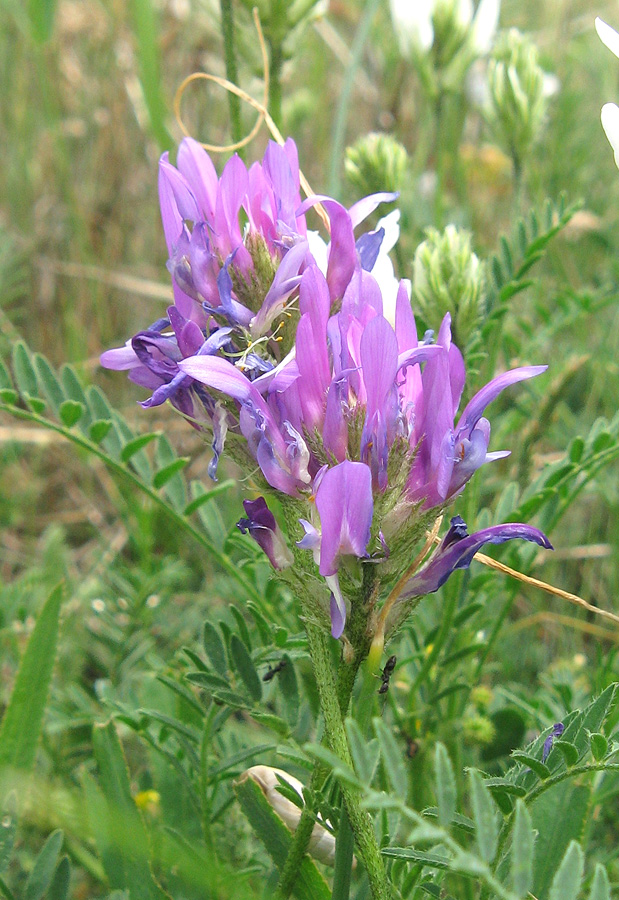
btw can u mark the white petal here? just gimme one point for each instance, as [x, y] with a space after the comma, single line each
[485, 25]
[608, 36]
[610, 124]
[413, 24]
[318, 249]
[391, 224]
[464, 12]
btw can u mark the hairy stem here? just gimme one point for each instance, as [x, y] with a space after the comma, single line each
[359, 819]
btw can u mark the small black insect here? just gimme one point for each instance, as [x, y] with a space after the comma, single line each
[386, 674]
[273, 670]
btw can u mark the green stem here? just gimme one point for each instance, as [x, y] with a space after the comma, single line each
[360, 822]
[439, 161]
[234, 102]
[343, 860]
[275, 84]
[341, 116]
[301, 839]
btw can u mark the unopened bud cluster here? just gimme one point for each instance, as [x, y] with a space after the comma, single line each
[376, 162]
[517, 101]
[449, 277]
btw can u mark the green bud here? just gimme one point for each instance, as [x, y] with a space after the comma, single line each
[448, 277]
[376, 162]
[481, 696]
[477, 730]
[517, 102]
[451, 23]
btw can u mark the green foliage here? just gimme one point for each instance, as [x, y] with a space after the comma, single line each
[20, 730]
[121, 835]
[269, 828]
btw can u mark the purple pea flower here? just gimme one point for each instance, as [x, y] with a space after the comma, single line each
[557, 730]
[457, 550]
[322, 410]
[260, 524]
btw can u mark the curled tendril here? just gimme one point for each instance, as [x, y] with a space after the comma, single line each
[262, 109]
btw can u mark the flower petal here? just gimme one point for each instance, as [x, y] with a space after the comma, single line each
[458, 549]
[345, 506]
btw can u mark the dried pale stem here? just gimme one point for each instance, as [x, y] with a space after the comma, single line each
[397, 590]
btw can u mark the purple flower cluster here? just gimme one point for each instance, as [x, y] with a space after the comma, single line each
[316, 367]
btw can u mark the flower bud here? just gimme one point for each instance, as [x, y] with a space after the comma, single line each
[376, 162]
[448, 277]
[477, 730]
[322, 842]
[481, 696]
[262, 526]
[517, 95]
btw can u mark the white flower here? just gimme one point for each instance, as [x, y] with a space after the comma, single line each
[610, 111]
[413, 21]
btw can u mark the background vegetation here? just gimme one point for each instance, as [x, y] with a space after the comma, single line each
[84, 114]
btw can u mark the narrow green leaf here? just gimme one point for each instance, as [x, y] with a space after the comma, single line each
[359, 753]
[507, 256]
[599, 745]
[167, 460]
[245, 667]
[232, 762]
[497, 272]
[433, 860]
[25, 376]
[99, 430]
[133, 446]
[41, 14]
[600, 886]
[329, 759]
[50, 384]
[214, 648]
[44, 867]
[125, 850]
[445, 785]
[269, 828]
[6, 382]
[289, 690]
[393, 759]
[21, 725]
[559, 816]
[567, 881]
[70, 412]
[207, 680]
[59, 888]
[522, 237]
[162, 476]
[536, 765]
[459, 821]
[575, 449]
[73, 387]
[484, 816]
[242, 626]
[206, 496]
[147, 39]
[522, 851]
[96, 399]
